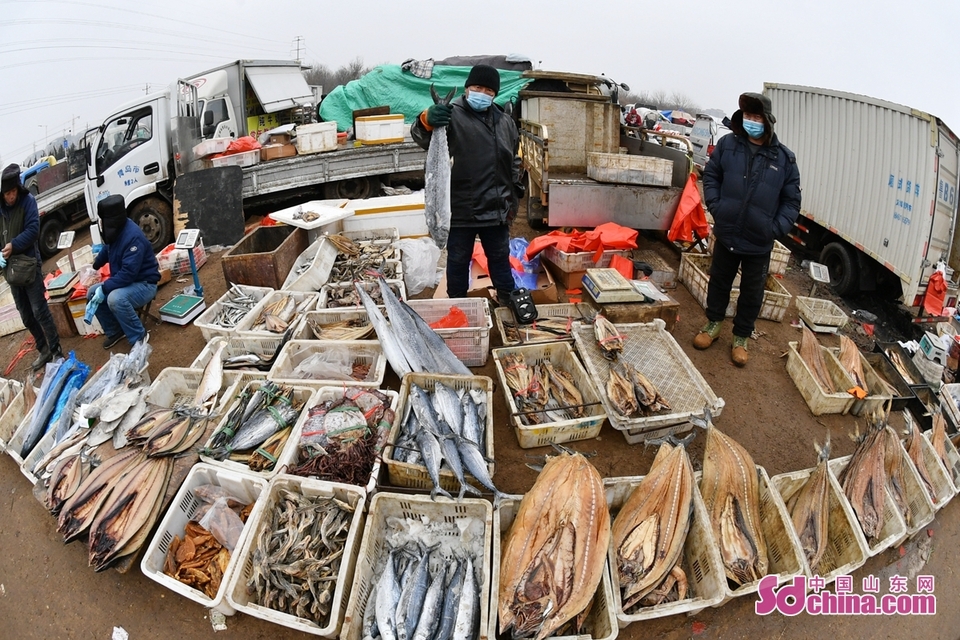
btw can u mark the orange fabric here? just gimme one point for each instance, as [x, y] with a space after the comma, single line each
[480, 258]
[623, 265]
[608, 235]
[690, 217]
[936, 291]
[453, 320]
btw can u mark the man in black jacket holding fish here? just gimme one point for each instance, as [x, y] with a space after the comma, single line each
[485, 184]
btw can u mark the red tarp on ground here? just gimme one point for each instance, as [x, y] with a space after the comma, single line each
[609, 235]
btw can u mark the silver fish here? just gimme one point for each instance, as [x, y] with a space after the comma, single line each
[370, 629]
[430, 450]
[431, 609]
[465, 627]
[473, 461]
[449, 407]
[412, 344]
[436, 196]
[388, 339]
[412, 600]
[451, 602]
[388, 596]
[472, 424]
[426, 414]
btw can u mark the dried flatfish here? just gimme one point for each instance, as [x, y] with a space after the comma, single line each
[609, 338]
[812, 354]
[916, 453]
[850, 361]
[810, 511]
[939, 441]
[864, 480]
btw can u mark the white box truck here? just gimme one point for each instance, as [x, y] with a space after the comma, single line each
[879, 184]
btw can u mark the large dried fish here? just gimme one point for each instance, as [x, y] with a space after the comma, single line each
[893, 466]
[864, 481]
[850, 361]
[609, 338]
[939, 441]
[553, 556]
[812, 354]
[916, 453]
[732, 496]
[651, 528]
[810, 511]
[621, 394]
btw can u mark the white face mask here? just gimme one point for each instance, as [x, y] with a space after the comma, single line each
[479, 101]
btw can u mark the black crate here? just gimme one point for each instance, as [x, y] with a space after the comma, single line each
[885, 369]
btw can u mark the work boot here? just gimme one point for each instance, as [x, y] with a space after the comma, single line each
[708, 334]
[46, 355]
[739, 351]
[109, 341]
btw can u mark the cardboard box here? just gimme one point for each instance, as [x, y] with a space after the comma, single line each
[482, 287]
[165, 277]
[279, 138]
[275, 151]
[631, 312]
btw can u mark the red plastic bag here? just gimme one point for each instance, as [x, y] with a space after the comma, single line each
[623, 265]
[690, 217]
[936, 291]
[240, 145]
[453, 320]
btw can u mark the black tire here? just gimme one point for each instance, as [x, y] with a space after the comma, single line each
[155, 217]
[844, 270]
[353, 189]
[50, 229]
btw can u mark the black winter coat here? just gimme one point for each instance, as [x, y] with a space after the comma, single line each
[753, 200]
[485, 186]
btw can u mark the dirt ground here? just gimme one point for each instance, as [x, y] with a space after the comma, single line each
[47, 590]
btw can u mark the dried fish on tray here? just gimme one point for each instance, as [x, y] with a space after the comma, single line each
[944, 448]
[554, 322]
[281, 311]
[298, 558]
[342, 437]
[335, 324]
[810, 510]
[423, 570]
[650, 349]
[935, 479]
[190, 558]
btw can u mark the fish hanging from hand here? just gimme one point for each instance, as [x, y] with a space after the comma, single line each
[436, 194]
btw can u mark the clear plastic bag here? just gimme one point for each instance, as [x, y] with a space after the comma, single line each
[419, 258]
[329, 364]
[223, 523]
[527, 278]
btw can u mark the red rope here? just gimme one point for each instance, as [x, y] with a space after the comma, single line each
[25, 347]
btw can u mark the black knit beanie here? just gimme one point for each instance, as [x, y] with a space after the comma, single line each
[113, 217]
[483, 75]
[10, 178]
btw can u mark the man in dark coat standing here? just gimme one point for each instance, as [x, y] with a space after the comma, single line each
[20, 227]
[751, 187]
[485, 183]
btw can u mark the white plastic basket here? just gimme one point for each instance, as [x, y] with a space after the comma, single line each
[11, 417]
[940, 480]
[243, 487]
[236, 592]
[700, 560]
[364, 352]
[571, 312]
[327, 316]
[210, 330]
[464, 527]
[291, 451]
[245, 327]
[264, 347]
[820, 314]
[817, 398]
[315, 263]
[561, 355]
[953, 458]
[599, 624]
[894, 529]
[471, 344]
[328, 289]
[175, 386]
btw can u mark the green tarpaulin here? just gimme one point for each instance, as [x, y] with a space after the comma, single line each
[404, 92]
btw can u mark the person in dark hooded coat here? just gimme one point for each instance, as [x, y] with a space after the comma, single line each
[20, 227]
[751, 187]
[134, 274]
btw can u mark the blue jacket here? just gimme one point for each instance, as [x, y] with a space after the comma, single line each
[24, 242]
[753, 200]
[131, 259]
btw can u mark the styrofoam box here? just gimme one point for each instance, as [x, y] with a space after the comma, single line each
[236, 592]
[471, 344]
[700, 559]
[317, 259]
[404, 212]
[205, 323]
[243, 159]
[379, 129]
[13, 414]
[264, 347]
[295, 352]
[459, 528]
[329, 211]
[952, 467]
[940, 479]
[317, 137]
[561, 355]
[784, 553]
[288, 458]
[244, 328]
[817, 398]
[845, 551]
[304, 330]
[402, 474]
[601, 621]
[323, 302]
[301, 395]
[211, 146]
[629, 169]
[243, 487]
[894, 529]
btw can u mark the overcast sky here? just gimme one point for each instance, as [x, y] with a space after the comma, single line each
[66, 64]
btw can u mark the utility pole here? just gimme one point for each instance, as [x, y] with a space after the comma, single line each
[146, 88]
[298, 40]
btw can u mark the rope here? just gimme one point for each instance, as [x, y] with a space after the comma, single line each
[25, 347]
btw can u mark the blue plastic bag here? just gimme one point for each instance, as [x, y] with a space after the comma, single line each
[526, 279]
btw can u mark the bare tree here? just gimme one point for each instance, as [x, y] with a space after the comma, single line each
[321, 74]
[683, 102]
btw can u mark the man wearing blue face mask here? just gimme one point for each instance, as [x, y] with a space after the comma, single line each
[751, 187]
[485, 184]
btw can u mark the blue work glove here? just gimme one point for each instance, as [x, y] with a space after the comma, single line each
[439, 115]
[97, 296]
[3, 262]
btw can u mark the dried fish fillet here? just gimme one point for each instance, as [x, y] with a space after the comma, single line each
[850, 361]
[810, 511]
[812, 354]
[916, 453]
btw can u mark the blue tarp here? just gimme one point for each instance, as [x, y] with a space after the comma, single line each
[404, 92]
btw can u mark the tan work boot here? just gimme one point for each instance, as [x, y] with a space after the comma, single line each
[708, 335]
[739, 352]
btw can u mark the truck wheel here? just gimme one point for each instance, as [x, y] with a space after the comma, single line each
[844, 271]
[50, 229]
[353, 189]
[155, 218]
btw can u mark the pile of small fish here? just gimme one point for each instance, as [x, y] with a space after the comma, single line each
[809, 509]
[631, 393]
[938, 440]
[347, 295]
[543, 391]
[650, 531]
[731, 493]
[297, 555]
[352, 329]
[255, 430]
[277, 316]
[234, 307]
[446, 428]
[250, 360]
[812, 354]
[553, 556]
[199, 559]
[341, 438]
[609, 338]
[408, 342]
[915, 451]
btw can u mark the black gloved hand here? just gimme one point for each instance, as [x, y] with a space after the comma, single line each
[439, 115]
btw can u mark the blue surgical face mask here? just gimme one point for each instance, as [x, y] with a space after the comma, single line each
[753, 129]
[479, 101]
